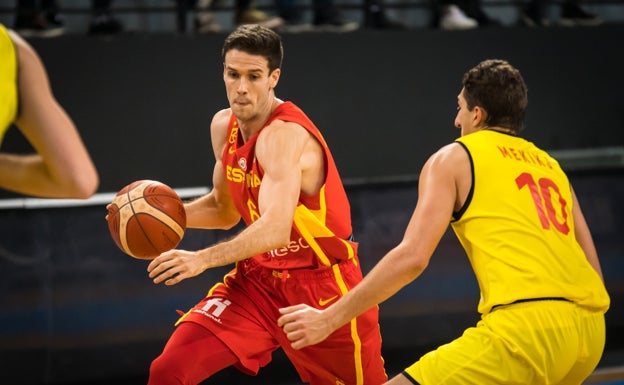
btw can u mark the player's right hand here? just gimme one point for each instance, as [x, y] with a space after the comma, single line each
[304, 325]
[174, 266]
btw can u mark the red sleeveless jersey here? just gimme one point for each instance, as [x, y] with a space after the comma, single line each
[322, 222]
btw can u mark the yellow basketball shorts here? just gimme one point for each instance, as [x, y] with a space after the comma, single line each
[537, 342]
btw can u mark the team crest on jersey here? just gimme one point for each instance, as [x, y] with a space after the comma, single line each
[242, 163]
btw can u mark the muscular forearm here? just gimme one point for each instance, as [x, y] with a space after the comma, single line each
[393, 272]
[261, 236]
[176, 265]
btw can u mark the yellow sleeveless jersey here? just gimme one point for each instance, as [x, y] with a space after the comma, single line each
[8, 82]
[517, 226]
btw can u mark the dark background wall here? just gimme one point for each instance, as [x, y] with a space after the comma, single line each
[77, 310]
[144, 102]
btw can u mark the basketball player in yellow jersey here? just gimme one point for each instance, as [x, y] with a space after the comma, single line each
[61, 166]
[512, 207]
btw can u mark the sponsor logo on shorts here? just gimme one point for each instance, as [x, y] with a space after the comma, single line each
[213, 308]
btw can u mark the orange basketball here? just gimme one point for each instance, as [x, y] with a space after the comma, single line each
[146, 218]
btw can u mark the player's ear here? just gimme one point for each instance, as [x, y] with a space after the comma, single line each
[274, 77]
[480, 116]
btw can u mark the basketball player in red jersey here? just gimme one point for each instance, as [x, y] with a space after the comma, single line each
[274, 170]
[515, 213]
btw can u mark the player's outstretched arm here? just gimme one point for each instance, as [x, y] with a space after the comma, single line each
[61, 166]
[305, 326]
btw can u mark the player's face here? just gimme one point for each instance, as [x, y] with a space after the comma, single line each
[248, 83]
[465, 118]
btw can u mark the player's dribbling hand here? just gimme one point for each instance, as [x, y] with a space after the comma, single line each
[174, 266]
[303, 325]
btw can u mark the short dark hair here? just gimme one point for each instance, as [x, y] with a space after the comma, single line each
[498, 88]
[256, 40]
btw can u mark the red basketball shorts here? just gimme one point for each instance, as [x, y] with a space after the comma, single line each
[243, 310]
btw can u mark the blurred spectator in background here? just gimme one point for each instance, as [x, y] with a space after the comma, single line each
[102, 22]
[535, 15]
[37, 18]
[326, 17]
[245, 13]
[461, 14]
[41, 18]
[375, 16]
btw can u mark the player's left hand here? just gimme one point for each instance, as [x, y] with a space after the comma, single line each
[304, 325]
[174, 266]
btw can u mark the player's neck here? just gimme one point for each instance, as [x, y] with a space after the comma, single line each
[502, 130]
[249, 128]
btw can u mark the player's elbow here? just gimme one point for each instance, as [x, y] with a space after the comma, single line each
[89, 186]
[417, 265]
[85, 186]
[279, 236]
[229, 224]
[229, 219]
[282, 240]
[412, 262]
[80, 186]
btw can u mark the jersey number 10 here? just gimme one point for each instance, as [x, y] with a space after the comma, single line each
[541, 192]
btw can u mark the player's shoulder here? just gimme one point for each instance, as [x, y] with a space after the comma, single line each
[283, 128]
[219, 125]
[221, 119]
[222, 115]
[20, 44]
[448, 156]
[450, 151]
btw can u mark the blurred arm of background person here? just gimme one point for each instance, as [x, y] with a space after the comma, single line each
[61, 166]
